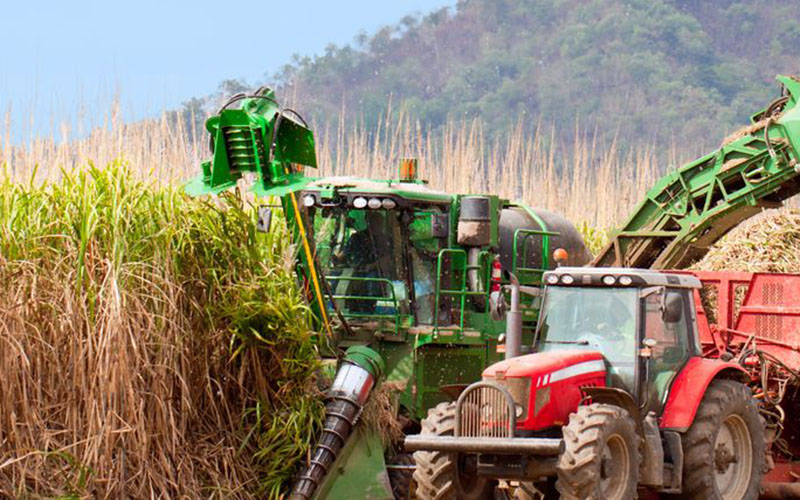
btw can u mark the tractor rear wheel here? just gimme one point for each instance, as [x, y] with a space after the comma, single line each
[600, 460]
[447, 476]
[723, 450]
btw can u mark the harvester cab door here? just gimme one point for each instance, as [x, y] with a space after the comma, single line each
[362, 257]
[424, 246]
[665, 343]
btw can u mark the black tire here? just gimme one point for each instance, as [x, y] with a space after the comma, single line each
[600, 460]
[447, 476]
[727, 417]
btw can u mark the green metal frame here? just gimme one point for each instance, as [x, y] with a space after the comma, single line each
[691, 208]
[521, 272]
[258, 137]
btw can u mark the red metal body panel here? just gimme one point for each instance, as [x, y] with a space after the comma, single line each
[751, 307]
[783, 472]
[540, 363]
[688, 389]
[771, 312]
[557, 377]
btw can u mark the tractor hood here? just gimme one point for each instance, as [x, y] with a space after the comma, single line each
[543, 363]
[548, 386]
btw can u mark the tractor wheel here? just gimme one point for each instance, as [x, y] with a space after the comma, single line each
[447, 476]
[600, 460]
[723, 450]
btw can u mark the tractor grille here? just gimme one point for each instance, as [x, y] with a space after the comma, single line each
[243, 148]
[485, 409]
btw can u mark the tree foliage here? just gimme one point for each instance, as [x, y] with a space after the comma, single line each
[639, 69]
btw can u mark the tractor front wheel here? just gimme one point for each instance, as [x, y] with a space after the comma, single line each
[724, 448]
[600, 460]
[447, 476]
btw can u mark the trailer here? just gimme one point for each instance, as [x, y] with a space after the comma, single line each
[754, 319]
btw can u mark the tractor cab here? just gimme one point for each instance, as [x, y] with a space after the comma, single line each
[640, 321]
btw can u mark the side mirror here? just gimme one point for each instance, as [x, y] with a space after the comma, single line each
[264, 221]
[673, 307]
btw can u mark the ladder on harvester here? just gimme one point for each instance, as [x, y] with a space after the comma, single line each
[691, 208]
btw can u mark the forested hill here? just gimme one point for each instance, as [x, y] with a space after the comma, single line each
[642, 69]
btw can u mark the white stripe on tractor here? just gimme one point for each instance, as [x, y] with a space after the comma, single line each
[596, 365]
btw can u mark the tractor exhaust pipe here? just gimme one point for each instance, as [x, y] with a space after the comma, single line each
[360, 371]
[514, 322]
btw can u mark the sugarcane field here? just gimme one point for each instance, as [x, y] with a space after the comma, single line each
[433, 250]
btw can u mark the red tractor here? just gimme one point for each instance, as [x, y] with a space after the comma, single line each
[615, 399]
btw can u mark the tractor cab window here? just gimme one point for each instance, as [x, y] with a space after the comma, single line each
[599, 319]
[665, 327]
[361, 253]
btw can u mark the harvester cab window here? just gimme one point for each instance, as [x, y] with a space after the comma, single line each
[362, 256]
[670, 349]
[424, 250]
[600, 319]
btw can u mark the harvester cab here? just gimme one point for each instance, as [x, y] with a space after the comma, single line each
[615, 396]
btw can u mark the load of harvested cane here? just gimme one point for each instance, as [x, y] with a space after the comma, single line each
[769, 242]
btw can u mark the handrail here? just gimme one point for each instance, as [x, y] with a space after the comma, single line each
[462, 292]
[391, 296]
[439, 291]
[515, 269]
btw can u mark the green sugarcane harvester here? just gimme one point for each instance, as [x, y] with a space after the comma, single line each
[404, 281]
[398, 276]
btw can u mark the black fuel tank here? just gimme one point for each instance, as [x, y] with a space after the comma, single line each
[568, 238]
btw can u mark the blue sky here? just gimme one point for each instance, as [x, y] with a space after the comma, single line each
[63, 59]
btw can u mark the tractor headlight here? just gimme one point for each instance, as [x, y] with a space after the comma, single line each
[388, 204]
[309, 200]
[519, 388]
[625, 280]
[567, 279]
[551, 279]
[609, 280]
[360, 202]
